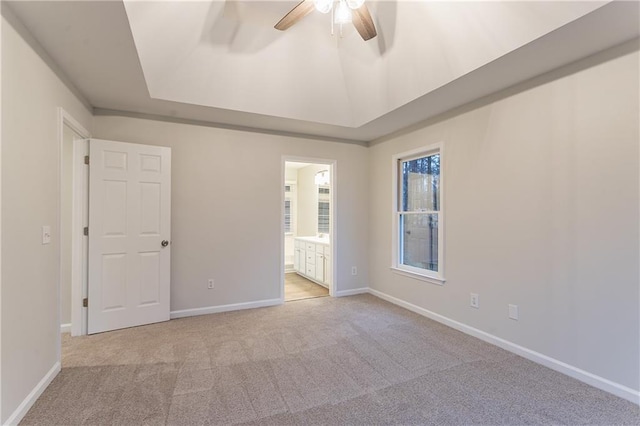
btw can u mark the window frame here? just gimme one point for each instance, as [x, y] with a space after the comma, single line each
[397, 212]
[290, 196]
[290, 230]
[323, 194]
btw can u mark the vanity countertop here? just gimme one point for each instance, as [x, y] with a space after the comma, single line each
[317, 240]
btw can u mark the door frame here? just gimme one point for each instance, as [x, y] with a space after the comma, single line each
[79, 196]
[332, 216]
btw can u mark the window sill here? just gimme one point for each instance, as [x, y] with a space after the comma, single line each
[432, 280]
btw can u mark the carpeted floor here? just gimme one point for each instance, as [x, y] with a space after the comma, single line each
[324, 361]
[297, 287]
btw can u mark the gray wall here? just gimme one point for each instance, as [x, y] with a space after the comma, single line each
[226, 207]
[31, 94]
[541, 211]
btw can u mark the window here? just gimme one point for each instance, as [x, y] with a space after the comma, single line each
[418, 230]
[323, 210]
[323, 217]
[289, 208]
[287, 216]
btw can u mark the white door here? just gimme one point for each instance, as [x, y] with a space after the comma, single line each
[129, 234]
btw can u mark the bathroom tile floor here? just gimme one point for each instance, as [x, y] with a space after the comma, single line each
[297, 287]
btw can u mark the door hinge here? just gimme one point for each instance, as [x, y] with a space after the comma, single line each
[85, 302]
[86, 159]
[85, 231]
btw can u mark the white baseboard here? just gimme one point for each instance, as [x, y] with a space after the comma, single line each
[224, 308]
[28, 402]
[342, 293]
[65, 328]
[564, 368]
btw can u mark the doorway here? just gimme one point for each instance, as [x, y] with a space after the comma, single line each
[72, 218]
[118, 242]
[308, 229]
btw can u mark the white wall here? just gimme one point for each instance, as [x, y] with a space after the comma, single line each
[227, 213]
[290, 174]
[31, 94]
[541, 211]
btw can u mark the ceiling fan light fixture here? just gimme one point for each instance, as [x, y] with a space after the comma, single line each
[355, 4]
[323, 6]
[342, 14]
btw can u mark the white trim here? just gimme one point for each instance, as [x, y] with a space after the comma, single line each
[428, 276]
[418, 276]
[224, 308]
[283, 197]
[64, 118]
[33, 396]
[352, 292]
[554, 364]
[79, 244]
[65, 328]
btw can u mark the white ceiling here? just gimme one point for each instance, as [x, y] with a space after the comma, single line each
[222, 62]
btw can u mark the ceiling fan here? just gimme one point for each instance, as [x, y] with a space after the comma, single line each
[354, 11]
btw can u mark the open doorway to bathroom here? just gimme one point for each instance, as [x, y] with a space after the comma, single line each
[308, 207]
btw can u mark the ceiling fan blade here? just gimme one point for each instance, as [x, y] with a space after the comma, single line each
[303, 8]
[363, 23]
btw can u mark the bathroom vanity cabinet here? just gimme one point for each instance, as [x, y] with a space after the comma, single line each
[312, 259]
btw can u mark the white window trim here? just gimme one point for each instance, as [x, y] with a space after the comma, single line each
[396, 266]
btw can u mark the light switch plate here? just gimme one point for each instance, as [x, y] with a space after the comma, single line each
[46, 234]
[513, 312]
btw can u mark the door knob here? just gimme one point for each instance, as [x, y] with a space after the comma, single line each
[164, 243]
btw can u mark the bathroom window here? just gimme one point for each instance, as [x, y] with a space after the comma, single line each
[324, 200]
[323, 217]
[290, 208]
[287, 216]
[418, 221]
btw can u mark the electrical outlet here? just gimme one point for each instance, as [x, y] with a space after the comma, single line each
[354, 270]
[211, 284]
[513, 312]
[475, 301]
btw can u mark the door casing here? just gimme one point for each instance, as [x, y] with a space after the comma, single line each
[332, 217]
[80, 181]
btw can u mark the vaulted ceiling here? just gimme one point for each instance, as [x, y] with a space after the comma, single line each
[223, 63]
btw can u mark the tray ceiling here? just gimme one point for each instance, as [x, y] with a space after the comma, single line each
[223, 63]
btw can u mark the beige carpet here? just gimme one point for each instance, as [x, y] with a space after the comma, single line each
[297, 287]
[325, 361]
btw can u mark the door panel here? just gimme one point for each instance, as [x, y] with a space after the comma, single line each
[129, 217]
[114, 275]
